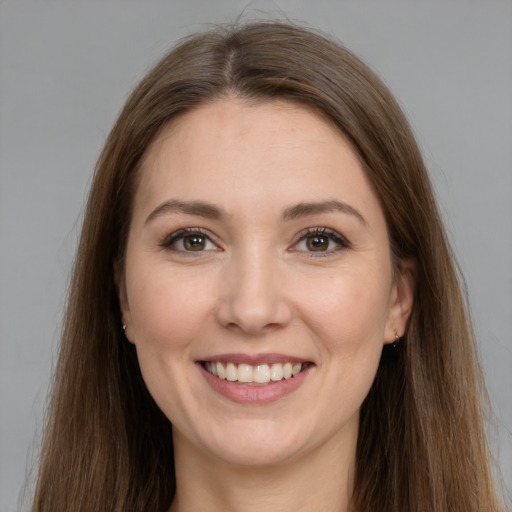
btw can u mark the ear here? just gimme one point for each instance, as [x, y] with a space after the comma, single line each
[120, 282]
[400, 301]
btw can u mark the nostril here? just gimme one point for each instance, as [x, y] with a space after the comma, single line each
[254, 317]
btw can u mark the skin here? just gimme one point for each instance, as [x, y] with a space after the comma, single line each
[257, 288]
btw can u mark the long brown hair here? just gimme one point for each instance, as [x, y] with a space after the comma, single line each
[421, 445]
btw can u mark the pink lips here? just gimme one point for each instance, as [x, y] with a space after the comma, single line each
[254, 394]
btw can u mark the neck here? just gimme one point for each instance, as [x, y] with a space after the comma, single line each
[320, 481]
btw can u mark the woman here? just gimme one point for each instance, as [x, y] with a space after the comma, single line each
[264, 310]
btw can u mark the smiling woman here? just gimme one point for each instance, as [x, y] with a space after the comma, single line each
[265, 311]
[283, 286]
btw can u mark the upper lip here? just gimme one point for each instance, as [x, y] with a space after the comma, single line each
[254, 359]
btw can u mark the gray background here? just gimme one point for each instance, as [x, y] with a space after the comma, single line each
[66, 68]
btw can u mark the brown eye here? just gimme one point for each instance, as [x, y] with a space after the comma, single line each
[189, 240]
[317, 243]
[323, 241]
[194, 242]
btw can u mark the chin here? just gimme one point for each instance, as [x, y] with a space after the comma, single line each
[254, 443]
[257, 455]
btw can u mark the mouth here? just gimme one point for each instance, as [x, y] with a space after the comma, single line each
[255, 375]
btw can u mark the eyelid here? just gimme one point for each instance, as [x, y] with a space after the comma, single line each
[170, 239]
[341, 241]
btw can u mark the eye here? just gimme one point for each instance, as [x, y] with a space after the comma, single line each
[320, 240]
[189, 240]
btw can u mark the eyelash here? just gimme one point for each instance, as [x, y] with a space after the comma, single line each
[181, 234]
[341, 241]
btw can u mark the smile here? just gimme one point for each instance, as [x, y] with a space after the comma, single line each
[254, 374]
[255, 379]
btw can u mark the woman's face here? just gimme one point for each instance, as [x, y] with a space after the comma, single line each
[258, 284]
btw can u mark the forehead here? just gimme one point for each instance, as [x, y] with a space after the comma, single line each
[241, 153]
[221, 122]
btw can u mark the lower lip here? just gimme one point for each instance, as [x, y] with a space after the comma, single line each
[256, 394]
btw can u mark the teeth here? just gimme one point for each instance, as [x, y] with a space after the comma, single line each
[231, 372]
[261, 373]
[221, 372]
[276, 372]
[244, 373]
[247, 374]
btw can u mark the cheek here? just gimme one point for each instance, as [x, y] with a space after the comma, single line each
[168, 312]
[348, 310]
[168, 308]
[347, 317]
[350, 325]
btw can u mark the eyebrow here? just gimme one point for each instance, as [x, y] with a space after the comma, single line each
[315, 208]
[198, 208]
[210, 211]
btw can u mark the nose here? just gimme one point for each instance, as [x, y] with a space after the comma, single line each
[252, 298]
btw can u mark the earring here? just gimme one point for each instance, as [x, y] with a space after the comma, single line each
[124, 327]
[397, 340]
